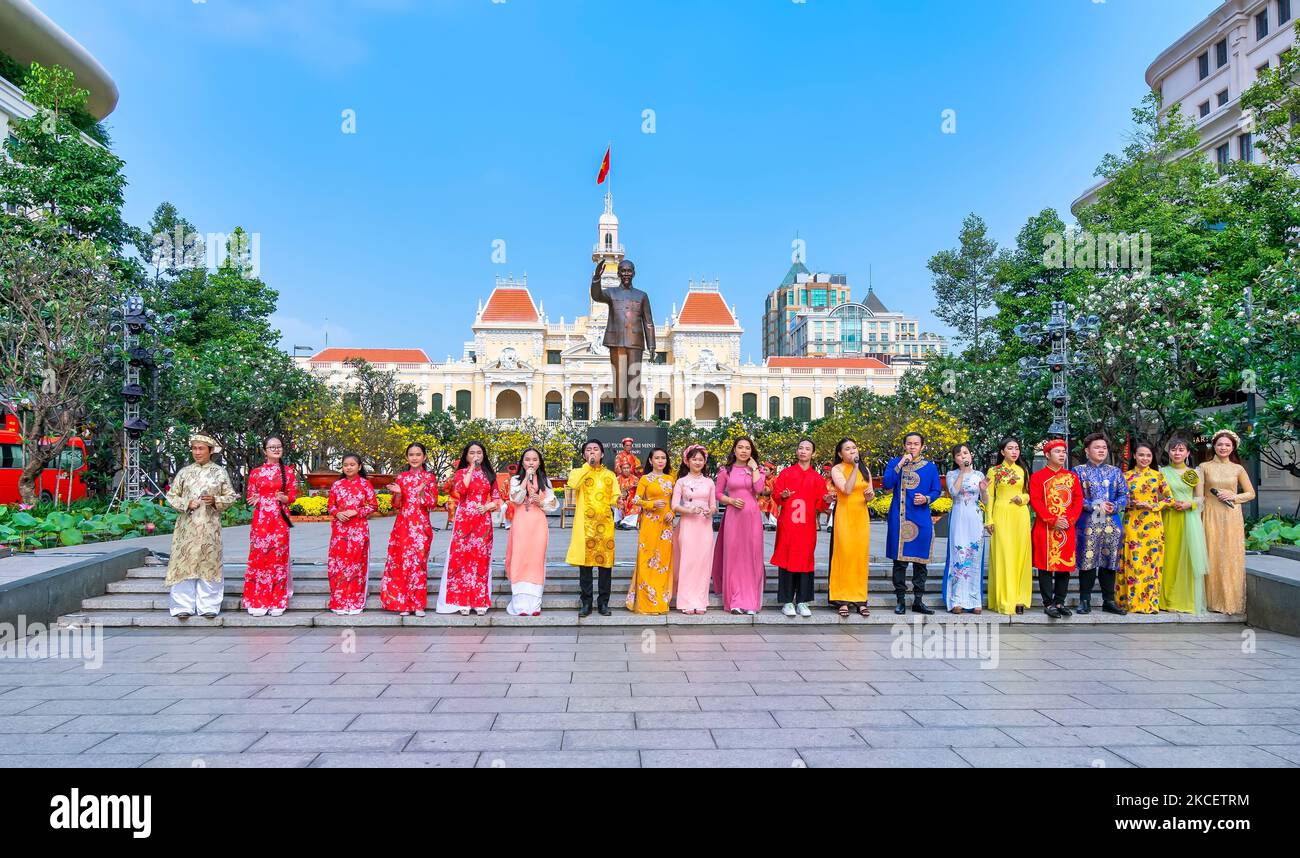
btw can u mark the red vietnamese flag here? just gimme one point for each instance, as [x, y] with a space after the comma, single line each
[604, 167]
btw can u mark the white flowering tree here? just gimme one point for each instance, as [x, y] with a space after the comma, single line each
[1144, 375]
[1258, 351]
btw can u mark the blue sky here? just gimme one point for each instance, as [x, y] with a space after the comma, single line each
[479, 121]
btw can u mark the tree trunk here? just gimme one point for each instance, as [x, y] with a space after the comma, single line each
[32, 468]
[35, 457]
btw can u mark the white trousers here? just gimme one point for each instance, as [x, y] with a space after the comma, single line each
[196, 596]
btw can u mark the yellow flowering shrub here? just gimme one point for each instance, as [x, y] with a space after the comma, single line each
[880, 506]
[385, 503]
[310, 505]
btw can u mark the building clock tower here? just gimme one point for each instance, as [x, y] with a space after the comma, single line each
[607, 250]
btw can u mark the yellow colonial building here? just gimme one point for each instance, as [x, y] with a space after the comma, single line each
[520, 363]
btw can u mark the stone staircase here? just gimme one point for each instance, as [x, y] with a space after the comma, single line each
[141, 599]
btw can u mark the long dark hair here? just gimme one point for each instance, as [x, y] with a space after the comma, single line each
[1023, 463]
[1155, 456]
[862, 465]
[487, 463]
[1233, 456]
[361, 473]
[424, 466]
[520, 471]
[649, 468]
[284, 451]
[683, 469]
[753, 451]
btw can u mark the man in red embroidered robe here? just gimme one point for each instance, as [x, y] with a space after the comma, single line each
[1056, 496]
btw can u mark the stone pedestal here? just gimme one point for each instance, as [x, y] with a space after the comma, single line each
[645, 437]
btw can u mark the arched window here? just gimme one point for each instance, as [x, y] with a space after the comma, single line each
[463, 400]
[773, 407]
[581, 405]
[509, 406]
[802, 409]
[609, 241]
[436, 406]
[828, 406]
[707, 406]
[408, 406]
[749, 404]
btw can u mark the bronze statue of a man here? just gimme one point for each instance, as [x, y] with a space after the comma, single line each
[629, 333]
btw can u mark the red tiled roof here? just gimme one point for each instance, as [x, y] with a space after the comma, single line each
[705, 308]
[372, 355]
[509, 304]
[837, 363]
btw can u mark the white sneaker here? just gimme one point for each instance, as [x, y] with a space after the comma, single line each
[788, 609]
[804, 610]
[275, 612]
[419, 613]
[257, 612]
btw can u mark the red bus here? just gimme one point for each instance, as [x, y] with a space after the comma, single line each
[65, 482]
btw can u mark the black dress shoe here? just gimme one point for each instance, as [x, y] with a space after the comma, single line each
[1065, 612]
[901, 607]
[584, 610]
[1052, 612]
[920, 607]
[1084, 608]
[603, 609]
[1112, 608]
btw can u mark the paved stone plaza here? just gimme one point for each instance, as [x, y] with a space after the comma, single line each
[1112, 696]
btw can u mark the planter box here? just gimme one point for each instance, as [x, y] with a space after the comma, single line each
[940, 525]
[311, 518]
[322, 480]
[325, 479]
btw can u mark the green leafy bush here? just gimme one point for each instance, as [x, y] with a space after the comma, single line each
[1270, 531]
[44, 526]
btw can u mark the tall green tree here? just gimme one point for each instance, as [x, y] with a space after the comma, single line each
[62, 266]
[1150, 188]
[963, 280]
[54, 297]
[53, 173]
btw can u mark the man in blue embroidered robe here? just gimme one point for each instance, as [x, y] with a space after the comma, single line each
[915, 485]
[1101, 527]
